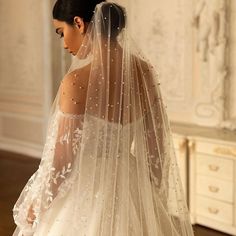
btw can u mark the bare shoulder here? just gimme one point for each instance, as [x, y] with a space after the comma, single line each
[73, 92]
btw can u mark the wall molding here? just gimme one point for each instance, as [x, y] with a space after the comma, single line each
[211, 44]
[29, 149]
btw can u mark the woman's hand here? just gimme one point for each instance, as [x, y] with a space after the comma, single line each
[31, 217]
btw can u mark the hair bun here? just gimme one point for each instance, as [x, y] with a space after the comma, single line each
[66, 10]
[114, 19]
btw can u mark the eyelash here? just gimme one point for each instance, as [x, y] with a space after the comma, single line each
[62, 35]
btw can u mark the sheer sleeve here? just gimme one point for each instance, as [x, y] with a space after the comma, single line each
[71, 108]
[163, 168]
[66, 147]
[154, 123]
[57, 170]
[158, 151]
[155, 150]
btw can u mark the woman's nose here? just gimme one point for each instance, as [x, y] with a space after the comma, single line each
[65, 46]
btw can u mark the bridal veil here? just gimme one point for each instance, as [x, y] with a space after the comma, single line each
[108, 165]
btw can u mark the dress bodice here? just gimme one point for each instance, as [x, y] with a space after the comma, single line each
[98, 130]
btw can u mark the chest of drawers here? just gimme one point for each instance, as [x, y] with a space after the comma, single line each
[212, 185]
[209, 176]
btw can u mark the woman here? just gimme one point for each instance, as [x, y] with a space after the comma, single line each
[108, 164]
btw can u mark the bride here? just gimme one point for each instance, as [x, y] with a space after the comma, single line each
[108, 166]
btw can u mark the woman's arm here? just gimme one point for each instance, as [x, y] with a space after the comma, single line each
[154, 121]
[68, 132]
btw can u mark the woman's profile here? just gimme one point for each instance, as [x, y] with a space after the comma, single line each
[108, 166]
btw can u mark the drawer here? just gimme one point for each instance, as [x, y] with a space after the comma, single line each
[216, 188]
[216, 149]
[214, 209]
[218, 167]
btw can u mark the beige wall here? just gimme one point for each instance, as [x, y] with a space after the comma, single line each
[195, 91]
[232, 58]
[25, 83]
[33, 62]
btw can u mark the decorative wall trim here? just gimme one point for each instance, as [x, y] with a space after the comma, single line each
[23, 148]
[210, 21]
[25, 117]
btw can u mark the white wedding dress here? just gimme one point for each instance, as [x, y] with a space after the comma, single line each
[58, 220]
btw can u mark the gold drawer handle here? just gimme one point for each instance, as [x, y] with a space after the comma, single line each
[213, 210]
[225, 151]
[213, 167]
[213, 189]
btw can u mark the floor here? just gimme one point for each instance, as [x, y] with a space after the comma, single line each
[15, 170]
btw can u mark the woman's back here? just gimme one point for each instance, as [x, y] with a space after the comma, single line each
[78, 84]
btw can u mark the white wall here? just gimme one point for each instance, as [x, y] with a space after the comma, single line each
[25, 84]
[232, 58]
[32, 64]
[194, 90]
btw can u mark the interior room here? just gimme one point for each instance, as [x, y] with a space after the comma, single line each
[192, 46]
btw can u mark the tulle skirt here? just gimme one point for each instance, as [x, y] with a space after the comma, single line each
[58, 220]
[63, 218]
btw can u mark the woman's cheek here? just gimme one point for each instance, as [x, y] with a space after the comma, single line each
[73, 41]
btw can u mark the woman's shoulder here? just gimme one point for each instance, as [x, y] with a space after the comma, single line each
[73, 90]
[77, 74]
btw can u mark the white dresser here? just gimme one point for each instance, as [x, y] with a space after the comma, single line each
[210, 175]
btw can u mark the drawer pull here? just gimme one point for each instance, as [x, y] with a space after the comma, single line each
[213, 167]
[213, 210]
[213, 189]
[225, 151]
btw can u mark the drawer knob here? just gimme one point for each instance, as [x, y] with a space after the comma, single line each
[213, 210]
[213, 189]
[225, 151]
[213, 167]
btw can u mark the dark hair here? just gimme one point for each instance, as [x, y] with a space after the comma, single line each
[117, 17]
[66, 10]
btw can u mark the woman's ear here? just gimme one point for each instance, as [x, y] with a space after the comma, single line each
[79, 23]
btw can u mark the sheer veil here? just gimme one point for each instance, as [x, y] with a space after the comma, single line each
[109, 149]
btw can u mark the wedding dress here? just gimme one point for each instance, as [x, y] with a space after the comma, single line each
[108, 168]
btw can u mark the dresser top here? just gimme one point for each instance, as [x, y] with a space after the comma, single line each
[200, 132]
